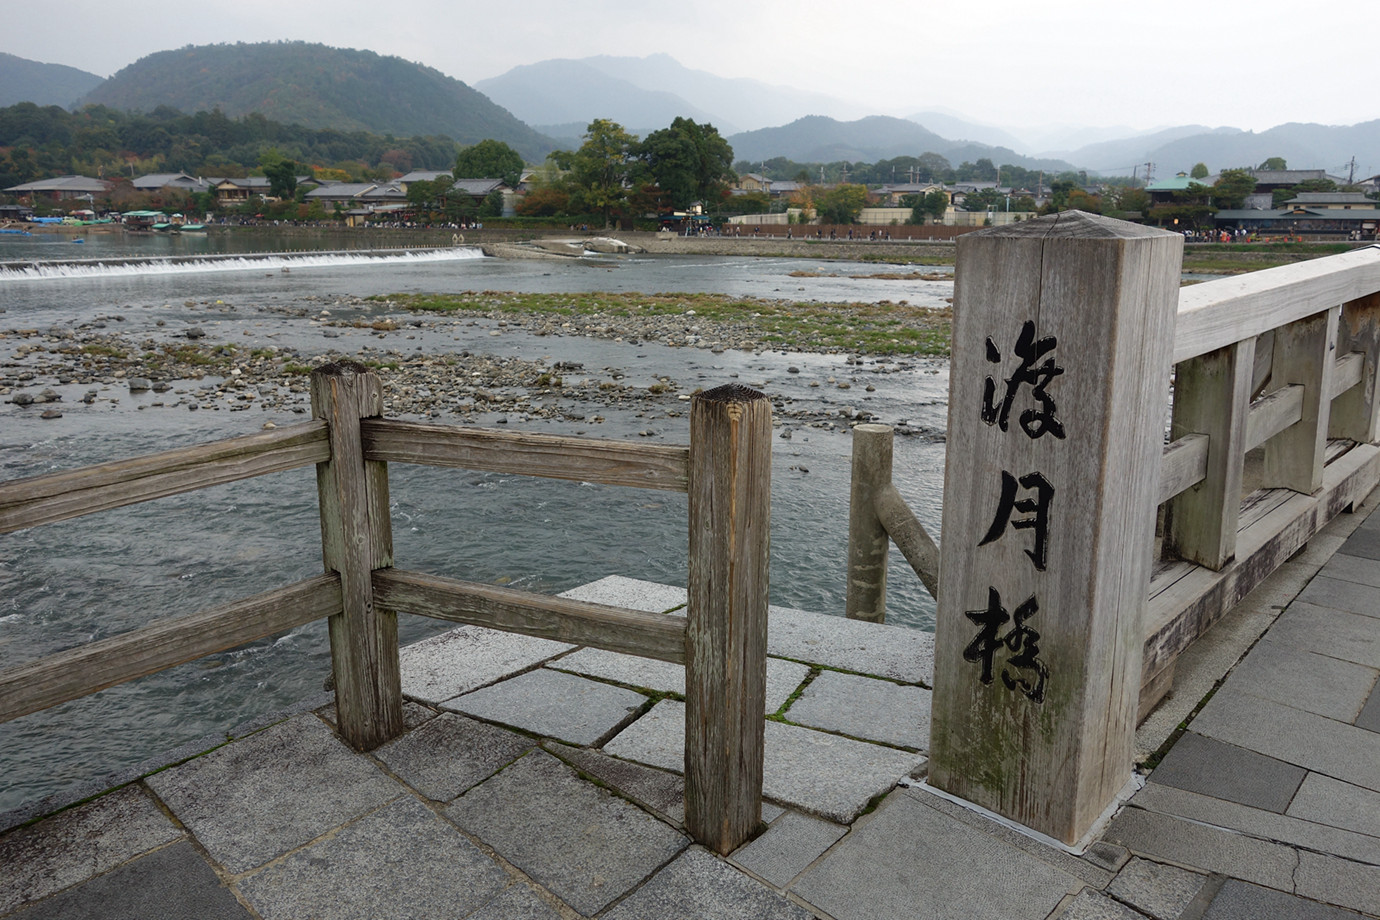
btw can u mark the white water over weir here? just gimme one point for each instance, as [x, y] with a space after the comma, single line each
[33, 270]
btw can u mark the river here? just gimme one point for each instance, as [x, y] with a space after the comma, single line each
[74, 582]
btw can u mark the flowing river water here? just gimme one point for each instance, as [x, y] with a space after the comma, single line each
[66, 584]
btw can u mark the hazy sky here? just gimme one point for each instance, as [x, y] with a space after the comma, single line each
[1090, 62]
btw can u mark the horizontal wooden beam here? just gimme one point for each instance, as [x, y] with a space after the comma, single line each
[615, 463]
[1347, 372]
[1182, 465]
[1272, 413]
[1217, 313]
[909, 535]
[163, 644]
[634, 632]
[59, 496]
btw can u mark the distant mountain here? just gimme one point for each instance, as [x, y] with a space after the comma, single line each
[320, 87]
[955, 126]
[816, 139]
[565, 92]
[1304, 146]
[650, 92]
[42, 84]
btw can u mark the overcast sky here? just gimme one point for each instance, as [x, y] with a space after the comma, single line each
[1088, 62]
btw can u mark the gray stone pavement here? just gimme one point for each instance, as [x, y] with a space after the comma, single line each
[537, 780]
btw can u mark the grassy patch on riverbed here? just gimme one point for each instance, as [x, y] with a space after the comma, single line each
[706, 320]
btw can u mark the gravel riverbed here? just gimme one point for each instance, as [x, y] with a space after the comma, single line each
[210, 356]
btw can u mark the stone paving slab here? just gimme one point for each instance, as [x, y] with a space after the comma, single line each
[632, 593]
[821, 773]
[908, 861]
[1338, 594]
[1093, 905]
[1167, 800]
[1334, 633]
[1356, 568]
[72, 846]
[1369, 719]
[854, 645]
[553, 704]
[783, 677]
[1224, 771]
[1162, 892]
[466, 658]
[518, 902]
[259, 797]
[1088, 867]
[450, 753]
[1213, 849]
[397, 863]
[1338, 881]
[1304, 680]
[788, 847]
[655, 790]
[584, 845]
[1318, 743]
[1363, 542]
[1331, 802]
[866, 708]
[1240, 901]
[173, 883]
[698, 885]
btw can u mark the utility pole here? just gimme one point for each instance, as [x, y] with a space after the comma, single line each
[1149, 172]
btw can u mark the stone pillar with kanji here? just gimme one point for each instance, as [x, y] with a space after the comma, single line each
[1062, 344]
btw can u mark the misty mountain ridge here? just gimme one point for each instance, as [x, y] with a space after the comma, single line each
[23, 80]
[651, 91]
[344, 89]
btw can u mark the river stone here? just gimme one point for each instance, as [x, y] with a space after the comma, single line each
[140, 384]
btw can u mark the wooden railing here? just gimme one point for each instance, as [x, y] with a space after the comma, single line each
[1273, 432]
[721, 641]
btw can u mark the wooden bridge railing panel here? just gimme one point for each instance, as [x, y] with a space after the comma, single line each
[59, 496]
[1211, 397]
[616, 629]
[163, 644]
[1305, 352]
[616, 463]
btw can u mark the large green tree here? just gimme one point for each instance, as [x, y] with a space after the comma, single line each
[282, 179]
[1231, 188]
[841, 204]
[600, 169]
[490, 159]
[931, 205]
[688, 162]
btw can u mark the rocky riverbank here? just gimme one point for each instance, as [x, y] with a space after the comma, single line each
[183, 366]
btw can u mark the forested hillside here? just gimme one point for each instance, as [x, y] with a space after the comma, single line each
[318, 87]
[39, 142]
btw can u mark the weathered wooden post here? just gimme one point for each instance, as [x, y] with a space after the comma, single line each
[1062, 342]
[868, 542]
[726, 636]
[877, 517]
[1356, 413]
[356, 538]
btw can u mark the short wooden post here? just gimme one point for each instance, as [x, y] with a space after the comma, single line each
[1063, 330]
[1305, 353]
[868, 542]
[356, 538]
[1212, 395]
[1356, 413]
[726, 636]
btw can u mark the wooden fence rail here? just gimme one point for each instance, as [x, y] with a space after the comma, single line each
[721, 641]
